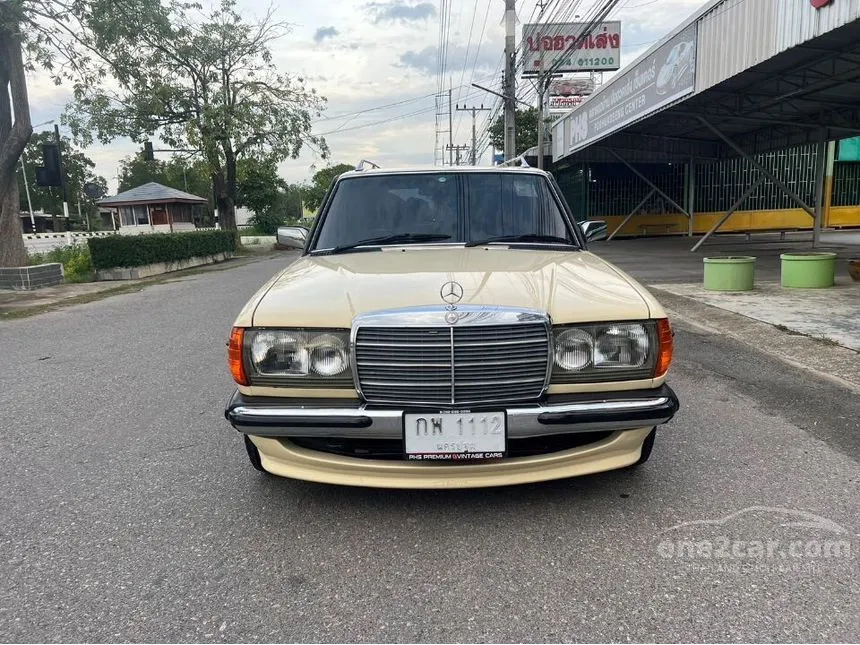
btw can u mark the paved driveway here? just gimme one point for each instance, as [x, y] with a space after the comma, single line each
[129, 511]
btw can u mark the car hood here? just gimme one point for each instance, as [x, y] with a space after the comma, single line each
[329, 291]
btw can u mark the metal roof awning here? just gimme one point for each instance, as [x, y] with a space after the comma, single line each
[799, 84]
[151, 193]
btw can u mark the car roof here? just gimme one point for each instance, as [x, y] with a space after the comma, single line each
[442, 169]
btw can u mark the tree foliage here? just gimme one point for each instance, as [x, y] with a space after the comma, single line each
[204, 84]
[526, 130]
[176, 173]
[78, 170]
[320, 183]
[261, 189]
[259, 184]
[202, 80]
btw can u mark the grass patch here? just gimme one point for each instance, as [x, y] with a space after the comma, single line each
[788, 331]
[824, 340]
[75, 258]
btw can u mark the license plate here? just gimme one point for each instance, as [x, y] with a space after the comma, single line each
[454, 436]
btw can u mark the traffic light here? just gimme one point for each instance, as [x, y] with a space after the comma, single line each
[50, 173]
[148, 154]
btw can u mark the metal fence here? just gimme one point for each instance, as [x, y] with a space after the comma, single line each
[846, 184]
[600, 190]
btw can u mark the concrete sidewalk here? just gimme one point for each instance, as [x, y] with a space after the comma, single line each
[815, 329]
[831, 315]
[16, 304]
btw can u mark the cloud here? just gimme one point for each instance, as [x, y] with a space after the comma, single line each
[426, 60]
[325, 32]
[400, 11]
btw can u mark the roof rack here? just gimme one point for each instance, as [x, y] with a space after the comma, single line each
[361, 164]
[521, 159]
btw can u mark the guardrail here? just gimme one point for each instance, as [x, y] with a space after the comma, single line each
[67, 234]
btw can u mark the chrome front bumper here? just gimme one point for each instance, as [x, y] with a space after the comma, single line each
[562, 414]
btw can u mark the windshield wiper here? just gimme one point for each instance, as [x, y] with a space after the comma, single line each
[552, 239]
[398, 238]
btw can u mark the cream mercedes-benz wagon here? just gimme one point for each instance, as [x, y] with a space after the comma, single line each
[449, 328]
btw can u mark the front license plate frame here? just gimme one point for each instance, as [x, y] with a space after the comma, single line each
[439, 437]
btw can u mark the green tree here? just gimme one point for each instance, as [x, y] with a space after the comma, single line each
[136, 171]
[259, 186]
[201, 80]
[78, 169]
[320, 183]
[261, 189]
[526, 123]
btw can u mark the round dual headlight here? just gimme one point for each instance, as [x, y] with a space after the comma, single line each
[574, 349]
[284, 352]
[328, 355]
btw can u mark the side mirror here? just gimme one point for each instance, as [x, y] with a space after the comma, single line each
[594, 230]
[292, 236]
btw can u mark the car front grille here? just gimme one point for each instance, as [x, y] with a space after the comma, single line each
[447, 366]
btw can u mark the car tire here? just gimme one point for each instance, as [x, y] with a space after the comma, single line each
[647, 447]
[253, 455]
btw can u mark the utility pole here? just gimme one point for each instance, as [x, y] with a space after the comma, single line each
[62, 179]
[543, 83]
[452, 150]
[543, 80]
[474, 110]
[510, 89]
[450, 126]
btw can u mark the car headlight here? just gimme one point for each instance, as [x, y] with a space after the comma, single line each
[574, 349]
[605, 352]
[278, 355]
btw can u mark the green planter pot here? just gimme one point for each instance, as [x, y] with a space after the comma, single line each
[734, 273]
[812, 270]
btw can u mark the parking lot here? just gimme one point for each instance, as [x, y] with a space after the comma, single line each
[130, 512]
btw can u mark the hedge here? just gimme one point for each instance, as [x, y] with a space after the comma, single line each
[138, 250]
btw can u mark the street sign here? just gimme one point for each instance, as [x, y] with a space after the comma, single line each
[567, 47]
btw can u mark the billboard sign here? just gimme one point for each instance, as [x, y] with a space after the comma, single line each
[562, 47]
[666, 75]
[571, 87]
[559, 104]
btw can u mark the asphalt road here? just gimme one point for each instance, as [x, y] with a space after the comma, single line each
[129, 511]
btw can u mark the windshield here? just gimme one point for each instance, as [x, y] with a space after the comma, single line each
[441, 208]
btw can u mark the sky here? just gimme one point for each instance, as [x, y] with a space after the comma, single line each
[377, 63]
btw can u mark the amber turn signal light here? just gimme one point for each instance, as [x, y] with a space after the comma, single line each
[665, 340]
[234, 355]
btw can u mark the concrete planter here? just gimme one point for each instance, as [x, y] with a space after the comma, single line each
[734, 273]
[33, 277]
[147, 270]
[811, 270]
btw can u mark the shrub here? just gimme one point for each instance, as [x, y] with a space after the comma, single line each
[75, 258]
[138, 250]
[267, 223]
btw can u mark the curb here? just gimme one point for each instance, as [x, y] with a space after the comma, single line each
[834, 363]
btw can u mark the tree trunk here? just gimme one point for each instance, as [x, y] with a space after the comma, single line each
[13, 140]
[229, 222]
[225, 204]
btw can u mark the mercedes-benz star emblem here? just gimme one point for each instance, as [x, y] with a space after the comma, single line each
[451, 292]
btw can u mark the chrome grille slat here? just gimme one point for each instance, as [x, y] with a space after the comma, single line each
[444, 365]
